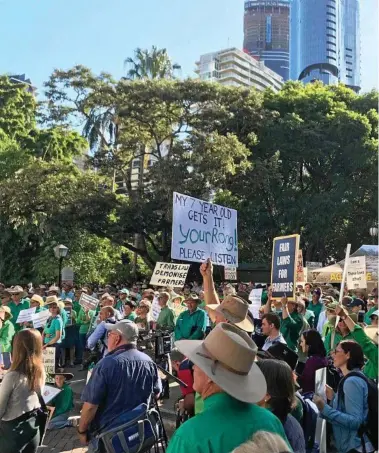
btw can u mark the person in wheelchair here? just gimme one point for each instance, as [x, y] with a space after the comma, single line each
[184, 371]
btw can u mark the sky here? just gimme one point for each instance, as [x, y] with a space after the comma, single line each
[37, 36]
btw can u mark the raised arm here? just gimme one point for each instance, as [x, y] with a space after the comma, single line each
[210, 293]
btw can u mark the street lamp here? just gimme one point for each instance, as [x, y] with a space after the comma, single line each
[374, 233]
[60, 251]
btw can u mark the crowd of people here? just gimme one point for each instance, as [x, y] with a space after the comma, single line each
[248, 384]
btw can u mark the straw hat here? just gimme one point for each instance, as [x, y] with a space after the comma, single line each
[235, 310]
[372, 333]
[51, 300]
[227, 357]
[6, 309]
[53, 289]
[16, 290]
[37, 298]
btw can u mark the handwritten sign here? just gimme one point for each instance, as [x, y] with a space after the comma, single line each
[88, 302]
[26, 315]
[356, 273]
[201, 230]
[49, 393]
[230, 273]
[171, 274]
[40, 319]
[255, 298]
[177, 308]
[284, 266]
[48, 356]
[155, 309]
[300, 267]
[312, 265]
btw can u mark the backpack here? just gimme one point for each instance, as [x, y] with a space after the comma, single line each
[370, 427]
[309, 423]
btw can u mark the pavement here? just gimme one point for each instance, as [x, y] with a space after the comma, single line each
[66, 441]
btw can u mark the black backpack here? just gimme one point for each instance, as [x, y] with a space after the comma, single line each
[370, 428]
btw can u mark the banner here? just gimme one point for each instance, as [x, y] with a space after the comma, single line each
[312, 265]
[48, 356]
[40, 319]
[284, 266]
[25, 315]
[88, 302]
[300, 267]
[202, 230]
[255, 298]
[356, 273]
[230, 273]
[171, 274]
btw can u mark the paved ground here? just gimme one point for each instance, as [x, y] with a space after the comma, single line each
[66, 441]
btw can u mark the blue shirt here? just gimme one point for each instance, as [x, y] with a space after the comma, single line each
[100, 333]
[121, 381]
[347, 415]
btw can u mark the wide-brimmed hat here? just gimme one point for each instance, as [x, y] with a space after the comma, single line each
[280, 351]
[235, 310]
[192, 296]
[177, 296]
[51, 300]
[68, 300]
[6, 309]
[124, 291]
[37, 298]
[53, 289]
[227, 357]
[15, 290]
[372, 333]
[68, 376]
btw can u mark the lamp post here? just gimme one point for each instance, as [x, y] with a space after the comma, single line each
[60, 251]
[374, 234]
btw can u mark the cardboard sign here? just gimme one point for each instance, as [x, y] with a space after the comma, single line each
[48, 356]
[230, 273]
[300, 267]
[49, 393]
[171, 274]
[255, 298]
[40, 319]
[26, 315]
[284, 266]
[88, 302]
[356, 273]
[201, 230]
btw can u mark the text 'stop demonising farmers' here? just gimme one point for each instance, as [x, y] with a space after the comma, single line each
[201, 230]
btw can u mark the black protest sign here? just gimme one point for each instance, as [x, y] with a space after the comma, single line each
[284, 266]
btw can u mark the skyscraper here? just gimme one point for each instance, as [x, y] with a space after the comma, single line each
[266, 33]
[325, 41]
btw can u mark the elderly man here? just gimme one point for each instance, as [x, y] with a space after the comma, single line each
[166, 317]
[107, 315]
[17, 304]
[121, 381]
[191, 323]
[230, 383]
[108, 301]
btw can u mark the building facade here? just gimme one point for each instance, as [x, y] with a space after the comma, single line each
[325, 41]
[266, 33]
[236, 68]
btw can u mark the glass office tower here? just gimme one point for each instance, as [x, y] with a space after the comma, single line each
[325, 41]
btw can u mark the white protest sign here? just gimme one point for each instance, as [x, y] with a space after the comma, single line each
[255, 298]
[49, 393]
[26, 315]
[67, 274]
[88, 302]
[312, 265]
[320, 434]
[155, 309]
[202, 230]
[40, 319]
[48, 356]
[230, 273]
[171, 274]
[356, 273]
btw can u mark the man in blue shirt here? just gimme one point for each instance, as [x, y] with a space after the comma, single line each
[107, 315]
[121, 381]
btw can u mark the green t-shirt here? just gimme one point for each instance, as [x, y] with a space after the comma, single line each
[210, 431]
[166, 319]
[290, 328]
[199, 403]
[317, 309]
[370, 350]
[191, 326]
[6, 334]
[15, 310]
[83, 322]
[76, 306]
[51, 328]
[337, 338]
[132, 316]
[64, 401]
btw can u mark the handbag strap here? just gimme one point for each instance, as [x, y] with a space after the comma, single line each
[41, 400]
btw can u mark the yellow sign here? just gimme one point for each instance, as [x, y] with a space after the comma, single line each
[337, 277]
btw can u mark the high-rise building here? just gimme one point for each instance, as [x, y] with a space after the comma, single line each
[236, 68]
[325, 41]
[266, 33]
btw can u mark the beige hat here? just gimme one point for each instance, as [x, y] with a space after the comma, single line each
[16, 290]
[235, 310]
[53, 289]
[37, 298]
[372, 333]
[6, 309]
[51, 300]
[227, 357]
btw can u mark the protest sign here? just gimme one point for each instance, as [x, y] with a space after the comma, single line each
[155, 309]
[284, 266]
[255, 298]
[171, 274]
[67, 275]
[49, 393]
[320, 434]
[356, 273]
[40, 319]
[48, 356]
[88, 302]
[312, 265]
[26, 315]
[178, 308]
[202, 230]
[230, 273]
[300, 267]
[68, 310]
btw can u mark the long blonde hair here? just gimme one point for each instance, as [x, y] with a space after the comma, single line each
[263, 442]
[27, 357]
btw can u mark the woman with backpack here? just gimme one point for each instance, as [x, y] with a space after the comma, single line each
[348, 410]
